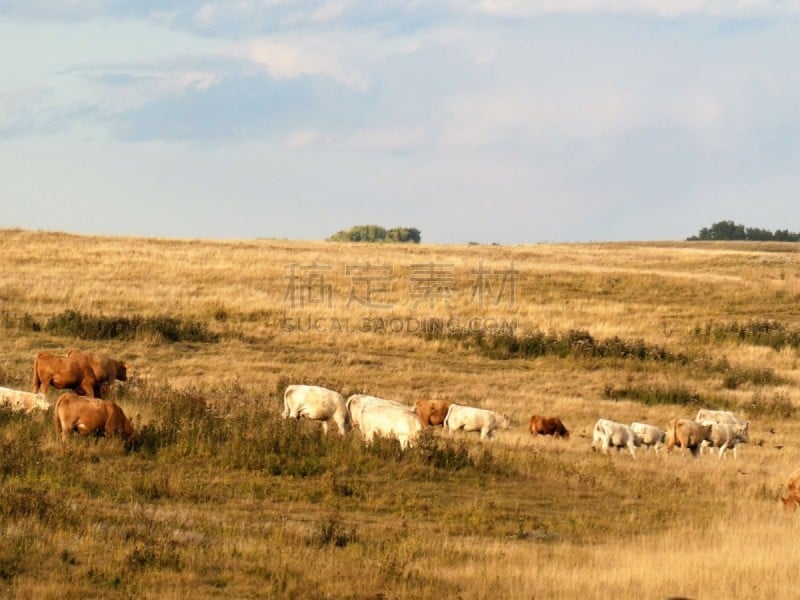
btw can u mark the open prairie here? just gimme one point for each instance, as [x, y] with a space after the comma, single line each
[221, 497]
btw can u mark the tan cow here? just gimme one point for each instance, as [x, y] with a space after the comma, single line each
[548, 426]
[88, 416]
[18, 400]
[685, 433]
[431, 412]
[105, 369]
[63, 373]
[791, 500]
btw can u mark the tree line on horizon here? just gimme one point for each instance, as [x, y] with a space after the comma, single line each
[376, 233]
[728, 230]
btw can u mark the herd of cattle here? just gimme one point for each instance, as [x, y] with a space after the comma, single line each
[89, 375]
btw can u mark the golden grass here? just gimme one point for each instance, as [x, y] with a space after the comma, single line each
[654, 527]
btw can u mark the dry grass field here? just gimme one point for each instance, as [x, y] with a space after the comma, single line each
[220, 497]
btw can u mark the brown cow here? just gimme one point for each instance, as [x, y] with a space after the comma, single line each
[104, 368]
[90, 416]
[792, 498]
[548, 426]
[431, 412]
[686, 433]
[62, 373]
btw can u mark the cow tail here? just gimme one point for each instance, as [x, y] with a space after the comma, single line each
[445, 423]
[56, 420]
[36, 381]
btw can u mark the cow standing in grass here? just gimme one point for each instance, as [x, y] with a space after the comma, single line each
[548, 426]
[358, 402]
[390, 421]
[468, 418]
[316, 403]
[610, 434]
[685, 433]
[649, 435]
[63, 373]
[106, 370]
[90, 416]
[431, 412]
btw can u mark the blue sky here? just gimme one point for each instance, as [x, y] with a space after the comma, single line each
[502, 121]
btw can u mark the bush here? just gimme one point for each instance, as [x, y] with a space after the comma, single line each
[376, 233]
[72, 323]
[575, 342]
[653, 395]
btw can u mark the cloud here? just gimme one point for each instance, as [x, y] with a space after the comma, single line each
[380, 140]
[285, 59]
[659, 8]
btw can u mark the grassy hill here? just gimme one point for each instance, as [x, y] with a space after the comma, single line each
[223, 498]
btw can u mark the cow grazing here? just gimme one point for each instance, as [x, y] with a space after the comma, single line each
[685, 433]
[790, 494]
[610, 434]
[63, 373]
[316, 403]
[105, 369]
[390, 421]
[725, 435]
[469, 418]
[431, 412]
[357, 402]
[18, 400]
[88, 416]
[649, 435]
[707, 416]
[548, 426]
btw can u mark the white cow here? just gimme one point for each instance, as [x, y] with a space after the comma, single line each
[610, 434]
[355, 405]
[706, 416]
[469, 418]
[390, 421]
[19, 400]
[649, 435]
[317, 403]
[725, 435]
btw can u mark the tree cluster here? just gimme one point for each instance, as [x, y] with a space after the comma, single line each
[376, 233]
[728, 230]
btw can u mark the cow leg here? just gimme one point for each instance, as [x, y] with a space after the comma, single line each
[325, 427]
[722, 450]
[633, 453]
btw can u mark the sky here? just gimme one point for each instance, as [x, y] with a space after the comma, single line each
[505, 121]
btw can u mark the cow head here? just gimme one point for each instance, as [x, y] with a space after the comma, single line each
[122, 371]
